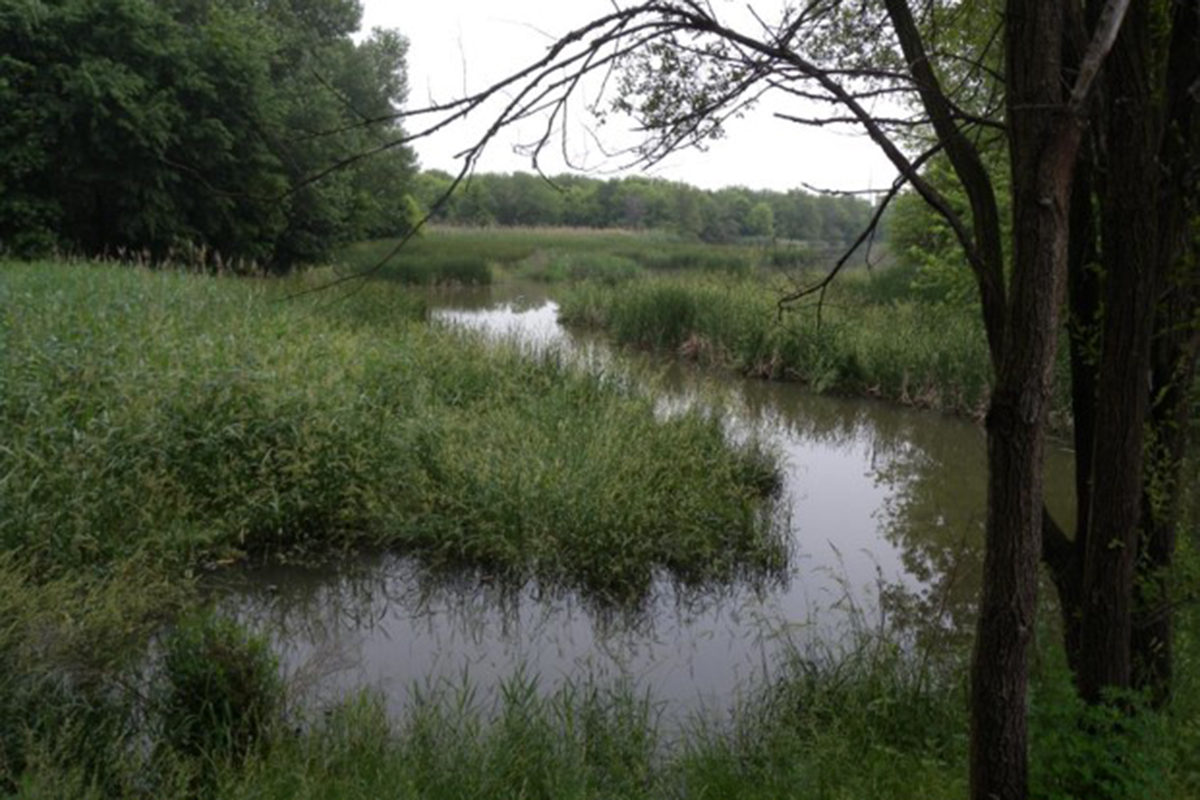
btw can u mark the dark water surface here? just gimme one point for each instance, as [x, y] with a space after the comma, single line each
[886, 511]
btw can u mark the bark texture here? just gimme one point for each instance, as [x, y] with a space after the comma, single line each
[1043, 144]
[1128, 239]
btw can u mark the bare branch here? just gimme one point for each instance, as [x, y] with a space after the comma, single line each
[819, 288]
[840, 192]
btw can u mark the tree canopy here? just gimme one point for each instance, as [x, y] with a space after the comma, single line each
[155, 128]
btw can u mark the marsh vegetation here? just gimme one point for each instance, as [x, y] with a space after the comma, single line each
[162, 427]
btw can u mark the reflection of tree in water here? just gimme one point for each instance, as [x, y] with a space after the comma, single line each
[932, 468]
[935, 514]
[934, 471]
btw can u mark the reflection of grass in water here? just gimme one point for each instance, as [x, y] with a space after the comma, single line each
[871, 717]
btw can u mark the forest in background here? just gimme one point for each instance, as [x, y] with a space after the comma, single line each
[638, 202]
[196, 130]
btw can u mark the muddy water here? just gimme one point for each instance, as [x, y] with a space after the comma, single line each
[885, 509]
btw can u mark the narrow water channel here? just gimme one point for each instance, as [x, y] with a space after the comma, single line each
[885, 508]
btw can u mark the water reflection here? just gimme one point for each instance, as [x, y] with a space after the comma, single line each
[384, 623]
[886, 512]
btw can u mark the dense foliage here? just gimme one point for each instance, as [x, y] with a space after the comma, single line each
[192, 126]
[923, 241]
[639, 202]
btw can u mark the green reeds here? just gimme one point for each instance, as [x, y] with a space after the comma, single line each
[916, 353]
[554, 266]
[420, 262]
[198, 419]
[466, 256]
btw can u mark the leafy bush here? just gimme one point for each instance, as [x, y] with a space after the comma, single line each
[69, 654]
[1116, 750]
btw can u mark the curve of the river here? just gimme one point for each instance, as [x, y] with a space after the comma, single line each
[885, 508]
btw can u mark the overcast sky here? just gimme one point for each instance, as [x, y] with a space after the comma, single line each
[464, 45]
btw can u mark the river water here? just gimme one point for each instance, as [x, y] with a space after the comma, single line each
[885, 509]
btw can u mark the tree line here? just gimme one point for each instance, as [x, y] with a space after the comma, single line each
[640, 202]
[199, 127]
[151, 127]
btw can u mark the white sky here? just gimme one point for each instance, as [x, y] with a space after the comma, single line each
[465, 45]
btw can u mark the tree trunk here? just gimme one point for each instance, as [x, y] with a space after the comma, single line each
[1173, 355]
[1064, 556]
[1044, 142]
[1129, 243]
[1147, 146]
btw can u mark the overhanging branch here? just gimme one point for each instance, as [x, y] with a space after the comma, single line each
[822, 285]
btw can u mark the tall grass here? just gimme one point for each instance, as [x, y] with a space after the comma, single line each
[553, 266]
[197, 420]
[156, 424]
[916, 353]
[70, 653]
[480, 255]
[421, 261]
[587, 741]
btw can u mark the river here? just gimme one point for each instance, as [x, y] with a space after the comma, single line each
[885, 507]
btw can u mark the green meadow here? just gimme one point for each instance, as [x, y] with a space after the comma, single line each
[478, 256]
[195, 419]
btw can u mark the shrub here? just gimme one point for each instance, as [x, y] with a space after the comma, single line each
[69, 650]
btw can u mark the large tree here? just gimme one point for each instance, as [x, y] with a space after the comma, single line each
[1095, 107]
[154, 127]
[1132, 255]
